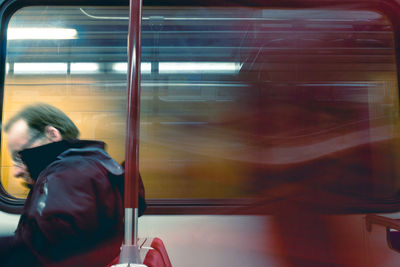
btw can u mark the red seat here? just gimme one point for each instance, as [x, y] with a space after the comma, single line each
[154, 259]
[158, 245]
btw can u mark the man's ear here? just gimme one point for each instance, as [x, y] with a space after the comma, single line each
[53, 134]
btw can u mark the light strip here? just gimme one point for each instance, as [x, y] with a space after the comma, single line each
[122, 67]
[40, 68]
[41, 33]
[84, 68]
[199, 67]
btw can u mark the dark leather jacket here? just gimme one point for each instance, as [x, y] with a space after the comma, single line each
[73, 215]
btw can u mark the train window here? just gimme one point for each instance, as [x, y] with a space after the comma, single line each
[66, 57]
[237, 103]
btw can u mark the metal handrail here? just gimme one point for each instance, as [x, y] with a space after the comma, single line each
[383, 221]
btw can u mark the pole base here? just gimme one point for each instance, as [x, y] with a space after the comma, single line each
[129, 257]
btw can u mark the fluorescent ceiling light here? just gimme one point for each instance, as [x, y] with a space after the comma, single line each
[199, 67]
[41, 33]
[122, 67]
[40, 68]
[84, 68]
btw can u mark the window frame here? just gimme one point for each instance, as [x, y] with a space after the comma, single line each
[11, 204]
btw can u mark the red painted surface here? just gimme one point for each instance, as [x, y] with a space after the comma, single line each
[133, 106]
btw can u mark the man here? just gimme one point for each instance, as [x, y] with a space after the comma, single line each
[73, 215]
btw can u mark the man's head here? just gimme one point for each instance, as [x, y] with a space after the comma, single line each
[34, 126]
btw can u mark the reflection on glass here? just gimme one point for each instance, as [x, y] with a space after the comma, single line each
[237, 103]
[45, 33]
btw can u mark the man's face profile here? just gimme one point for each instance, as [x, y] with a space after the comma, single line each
[19, 137]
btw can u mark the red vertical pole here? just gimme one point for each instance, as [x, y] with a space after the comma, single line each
[132, 121]
[130, 250]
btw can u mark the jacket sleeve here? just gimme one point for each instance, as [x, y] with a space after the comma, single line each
[76, 209]
[14, 254]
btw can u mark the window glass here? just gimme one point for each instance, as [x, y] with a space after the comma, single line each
[234, 101]
[68, 58]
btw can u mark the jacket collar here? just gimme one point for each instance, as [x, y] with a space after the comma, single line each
[38, 158]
